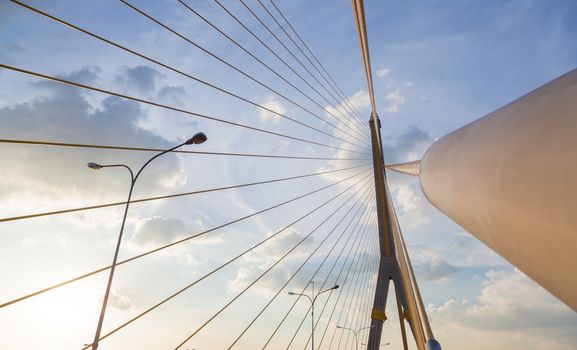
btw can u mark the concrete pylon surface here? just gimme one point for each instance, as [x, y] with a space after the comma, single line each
[510, 179]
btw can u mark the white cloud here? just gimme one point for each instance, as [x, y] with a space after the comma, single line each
[260, 259]
[189, 260]
[280, 146]
[119, 301]
[510, 300]
[411, 209]
[68, 114]
[435, 269]
[272, 250]
[140, 78]
[361, 100]
[466, 250]
[406, 146]
[381, 73]
[31, 241]
[173, 180]
[511, 312]
[273, 104]
[430, 264]
[395, 99]
[159, 230]
[173, 94]
[400, 147]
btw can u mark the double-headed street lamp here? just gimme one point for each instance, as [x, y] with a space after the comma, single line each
[355, 333]
[385, 344]
[312, 300]
[196, 139]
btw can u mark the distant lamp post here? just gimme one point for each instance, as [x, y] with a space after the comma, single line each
[356, 334]
[385, 344]
[312, 300]
[198, 138]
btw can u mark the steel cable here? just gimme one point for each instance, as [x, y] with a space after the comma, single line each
[286, 48]
[200, 279]
[364, 196]
[354, 288]
[106, 205]
[220, 59]
[342, 94]
[366, 230]
[326, 303]
[124, 48]
[280, 76]
[357, 264]
[261, 275]
[357, 236]
[175, 109]
[360, 301]
[359, 12]
[78, 278]
[226, 10]
[301, 51]
[147, 149]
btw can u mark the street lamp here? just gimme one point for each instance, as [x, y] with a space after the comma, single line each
[355, 333]
[312, 300]
[196, 139]
[385, 344]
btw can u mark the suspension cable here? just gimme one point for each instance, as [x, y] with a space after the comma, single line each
[364, 196]
[106, 205]
[272, 70]
[301, 50]
[359, 261]
[346, 278]
[340, 91]
[123, 148]
[322, 311]
[359, 12]
[251, 32]
[286, 48]
[366, 308]
[240, 71]
[124, 48]
[78, 278]
[358, 299]
[200, 279]
[360, 242]
[357, 236]
[352, 286]
[172, 108]
[263, 274]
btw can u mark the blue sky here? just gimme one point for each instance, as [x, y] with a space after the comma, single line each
[437, 66]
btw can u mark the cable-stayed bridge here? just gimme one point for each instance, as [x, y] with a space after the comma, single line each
[301, 245]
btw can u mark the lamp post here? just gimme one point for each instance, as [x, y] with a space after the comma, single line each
[385, 344]
[355, 333]
[196, 139]
[312, 300]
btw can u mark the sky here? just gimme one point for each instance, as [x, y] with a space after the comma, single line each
[437, 66]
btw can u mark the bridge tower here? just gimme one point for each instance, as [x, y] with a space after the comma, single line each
[394, 265]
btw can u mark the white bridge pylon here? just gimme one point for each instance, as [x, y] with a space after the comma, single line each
[510, 179]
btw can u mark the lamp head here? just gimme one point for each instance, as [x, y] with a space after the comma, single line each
[198, 138]
[336, 286]
[94, 166]
[339, 327]
[291, 293]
